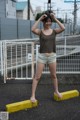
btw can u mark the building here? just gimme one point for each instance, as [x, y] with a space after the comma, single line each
[22, 10]
[38, 9]
[8, 8]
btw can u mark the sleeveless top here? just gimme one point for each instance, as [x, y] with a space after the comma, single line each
[47, 42]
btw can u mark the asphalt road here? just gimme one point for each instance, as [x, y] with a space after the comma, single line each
[48, 108]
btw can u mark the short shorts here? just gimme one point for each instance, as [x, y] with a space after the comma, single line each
[47, 58]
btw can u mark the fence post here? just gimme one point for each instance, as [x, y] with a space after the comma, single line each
[37, 46]
[32, 59]
[1, 57]
[65, 46]
[5, 60]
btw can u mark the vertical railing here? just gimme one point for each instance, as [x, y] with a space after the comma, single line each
[16, 57]
[37, 50]
[32, 59]
[65, 46]
[4, 60]
[1, 58]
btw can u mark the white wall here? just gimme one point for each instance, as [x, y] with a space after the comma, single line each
[10, 9]
[25, 14]
[19, 14]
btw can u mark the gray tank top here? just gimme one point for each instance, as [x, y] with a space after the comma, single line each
[47, 42]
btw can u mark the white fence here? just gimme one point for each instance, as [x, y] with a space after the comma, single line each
[18, 57]
[68, 59]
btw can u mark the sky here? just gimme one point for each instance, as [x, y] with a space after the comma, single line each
[42, 3]
[60, 8]
[55, 3]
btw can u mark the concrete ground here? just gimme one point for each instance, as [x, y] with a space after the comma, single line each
[48, 109]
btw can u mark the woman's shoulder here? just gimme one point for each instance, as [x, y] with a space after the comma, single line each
[54, 31]
[41, 31]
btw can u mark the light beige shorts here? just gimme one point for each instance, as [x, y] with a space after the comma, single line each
[47, 57]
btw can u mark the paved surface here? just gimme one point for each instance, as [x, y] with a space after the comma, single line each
[48, 109]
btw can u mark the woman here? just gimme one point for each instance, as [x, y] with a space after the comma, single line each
[47, 52]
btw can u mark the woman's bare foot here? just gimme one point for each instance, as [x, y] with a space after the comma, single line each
[33, 100]
[58, 94]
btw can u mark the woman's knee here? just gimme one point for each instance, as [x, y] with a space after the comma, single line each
[53, 76]
[36, 77]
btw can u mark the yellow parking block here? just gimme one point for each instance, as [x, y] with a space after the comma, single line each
[67, 95]
[13, 107]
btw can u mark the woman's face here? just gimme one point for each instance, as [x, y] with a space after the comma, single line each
[48, 22]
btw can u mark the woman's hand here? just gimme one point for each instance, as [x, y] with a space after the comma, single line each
[43, 17]
[53, 16]
[62, 28]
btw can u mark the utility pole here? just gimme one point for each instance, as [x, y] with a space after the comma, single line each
[75, 17]
[49, 5]
[28, 9]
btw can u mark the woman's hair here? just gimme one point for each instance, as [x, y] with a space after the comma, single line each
[48, 16]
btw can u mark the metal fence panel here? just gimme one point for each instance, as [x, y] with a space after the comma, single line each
[1, 58]
[18, 60]
[8, 29]
[68, 60]
[68, 55]
[18, 57]
[0, 28]
[24, 29]
[18, 29]
[32, 34]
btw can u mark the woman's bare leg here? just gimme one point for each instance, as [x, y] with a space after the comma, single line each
[36, 79]
[52, 68]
